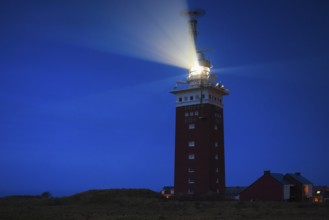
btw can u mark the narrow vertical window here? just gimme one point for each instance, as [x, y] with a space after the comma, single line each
[215, 127]
[217, 170]
[191, 170]
[191, 144]
[216, 144]
[191, 156]
[180, 99]
[216, 157]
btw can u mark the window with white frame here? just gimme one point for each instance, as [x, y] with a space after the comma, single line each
[191, 170]
[191, 181]
[191, 156]
[191, 126]
[191, 144]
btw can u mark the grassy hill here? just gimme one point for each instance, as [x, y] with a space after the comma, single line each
[146, 204]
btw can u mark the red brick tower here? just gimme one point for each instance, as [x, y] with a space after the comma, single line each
[199, 137]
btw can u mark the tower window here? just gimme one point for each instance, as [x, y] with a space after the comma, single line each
[191, 156]
[191, 170]
[191, 98]
[180, 99]
[191, 181]
[191, 126]
[191, 144]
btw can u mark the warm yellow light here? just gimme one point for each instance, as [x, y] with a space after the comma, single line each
[197, 70]
[318, 192]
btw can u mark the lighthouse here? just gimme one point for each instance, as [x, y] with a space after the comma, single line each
[199, 127]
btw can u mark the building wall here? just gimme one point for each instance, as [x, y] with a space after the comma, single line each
[300, 192]
[208, 136]
[265, 188]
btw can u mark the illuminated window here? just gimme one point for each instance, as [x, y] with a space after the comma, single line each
[318, 192]
[191, 170]
[216, 144]
[191, 126]
[191, 181]
[191, 156]
[191, 144]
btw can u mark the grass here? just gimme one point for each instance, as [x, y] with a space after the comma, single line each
[145, 204]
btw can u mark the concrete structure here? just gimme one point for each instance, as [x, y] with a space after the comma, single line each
[199, 140]
[278, 187]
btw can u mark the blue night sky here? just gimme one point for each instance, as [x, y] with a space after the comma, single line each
[84, 106]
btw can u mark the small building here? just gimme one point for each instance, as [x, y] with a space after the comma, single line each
[167, 191]
[278, 187]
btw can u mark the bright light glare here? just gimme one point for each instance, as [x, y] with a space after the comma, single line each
[153, 30]
[197, 70]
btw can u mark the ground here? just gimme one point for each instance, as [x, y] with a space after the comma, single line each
[146, 204]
